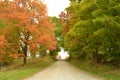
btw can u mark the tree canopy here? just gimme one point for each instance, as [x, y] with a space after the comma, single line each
[92, 30]
[28, 25]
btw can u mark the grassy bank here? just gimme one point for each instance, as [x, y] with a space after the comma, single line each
[18, 72]
[108, 72]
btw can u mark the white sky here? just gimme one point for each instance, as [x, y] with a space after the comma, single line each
[56, 6]
[63, 54]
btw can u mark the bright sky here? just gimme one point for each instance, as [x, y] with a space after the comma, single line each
[63, 54]
[56, 6]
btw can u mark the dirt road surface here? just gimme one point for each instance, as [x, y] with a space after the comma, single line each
[62, 70]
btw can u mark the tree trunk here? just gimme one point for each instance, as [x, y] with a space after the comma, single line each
[95, 56]
[25, 54]
[24, 61]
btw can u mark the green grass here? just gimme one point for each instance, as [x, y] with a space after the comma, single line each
[107, 72]
[17, 72]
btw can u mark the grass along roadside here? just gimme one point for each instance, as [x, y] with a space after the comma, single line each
[33, 66]
[105, 71]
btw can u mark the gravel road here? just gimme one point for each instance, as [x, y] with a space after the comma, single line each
[62, 70]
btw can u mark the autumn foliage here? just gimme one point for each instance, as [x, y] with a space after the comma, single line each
[31, 23]
[2, 44]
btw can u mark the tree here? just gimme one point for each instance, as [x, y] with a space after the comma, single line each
[93, 30]
[58, 34]
[31, 23]
[2, 52]
[4, 57]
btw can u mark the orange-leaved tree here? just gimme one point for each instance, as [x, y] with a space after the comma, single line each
[2, 44]
[4, 54]
[30, 19]
[64, 20]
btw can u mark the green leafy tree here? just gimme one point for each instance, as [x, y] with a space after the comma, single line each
[93, 30]
[59, 36]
